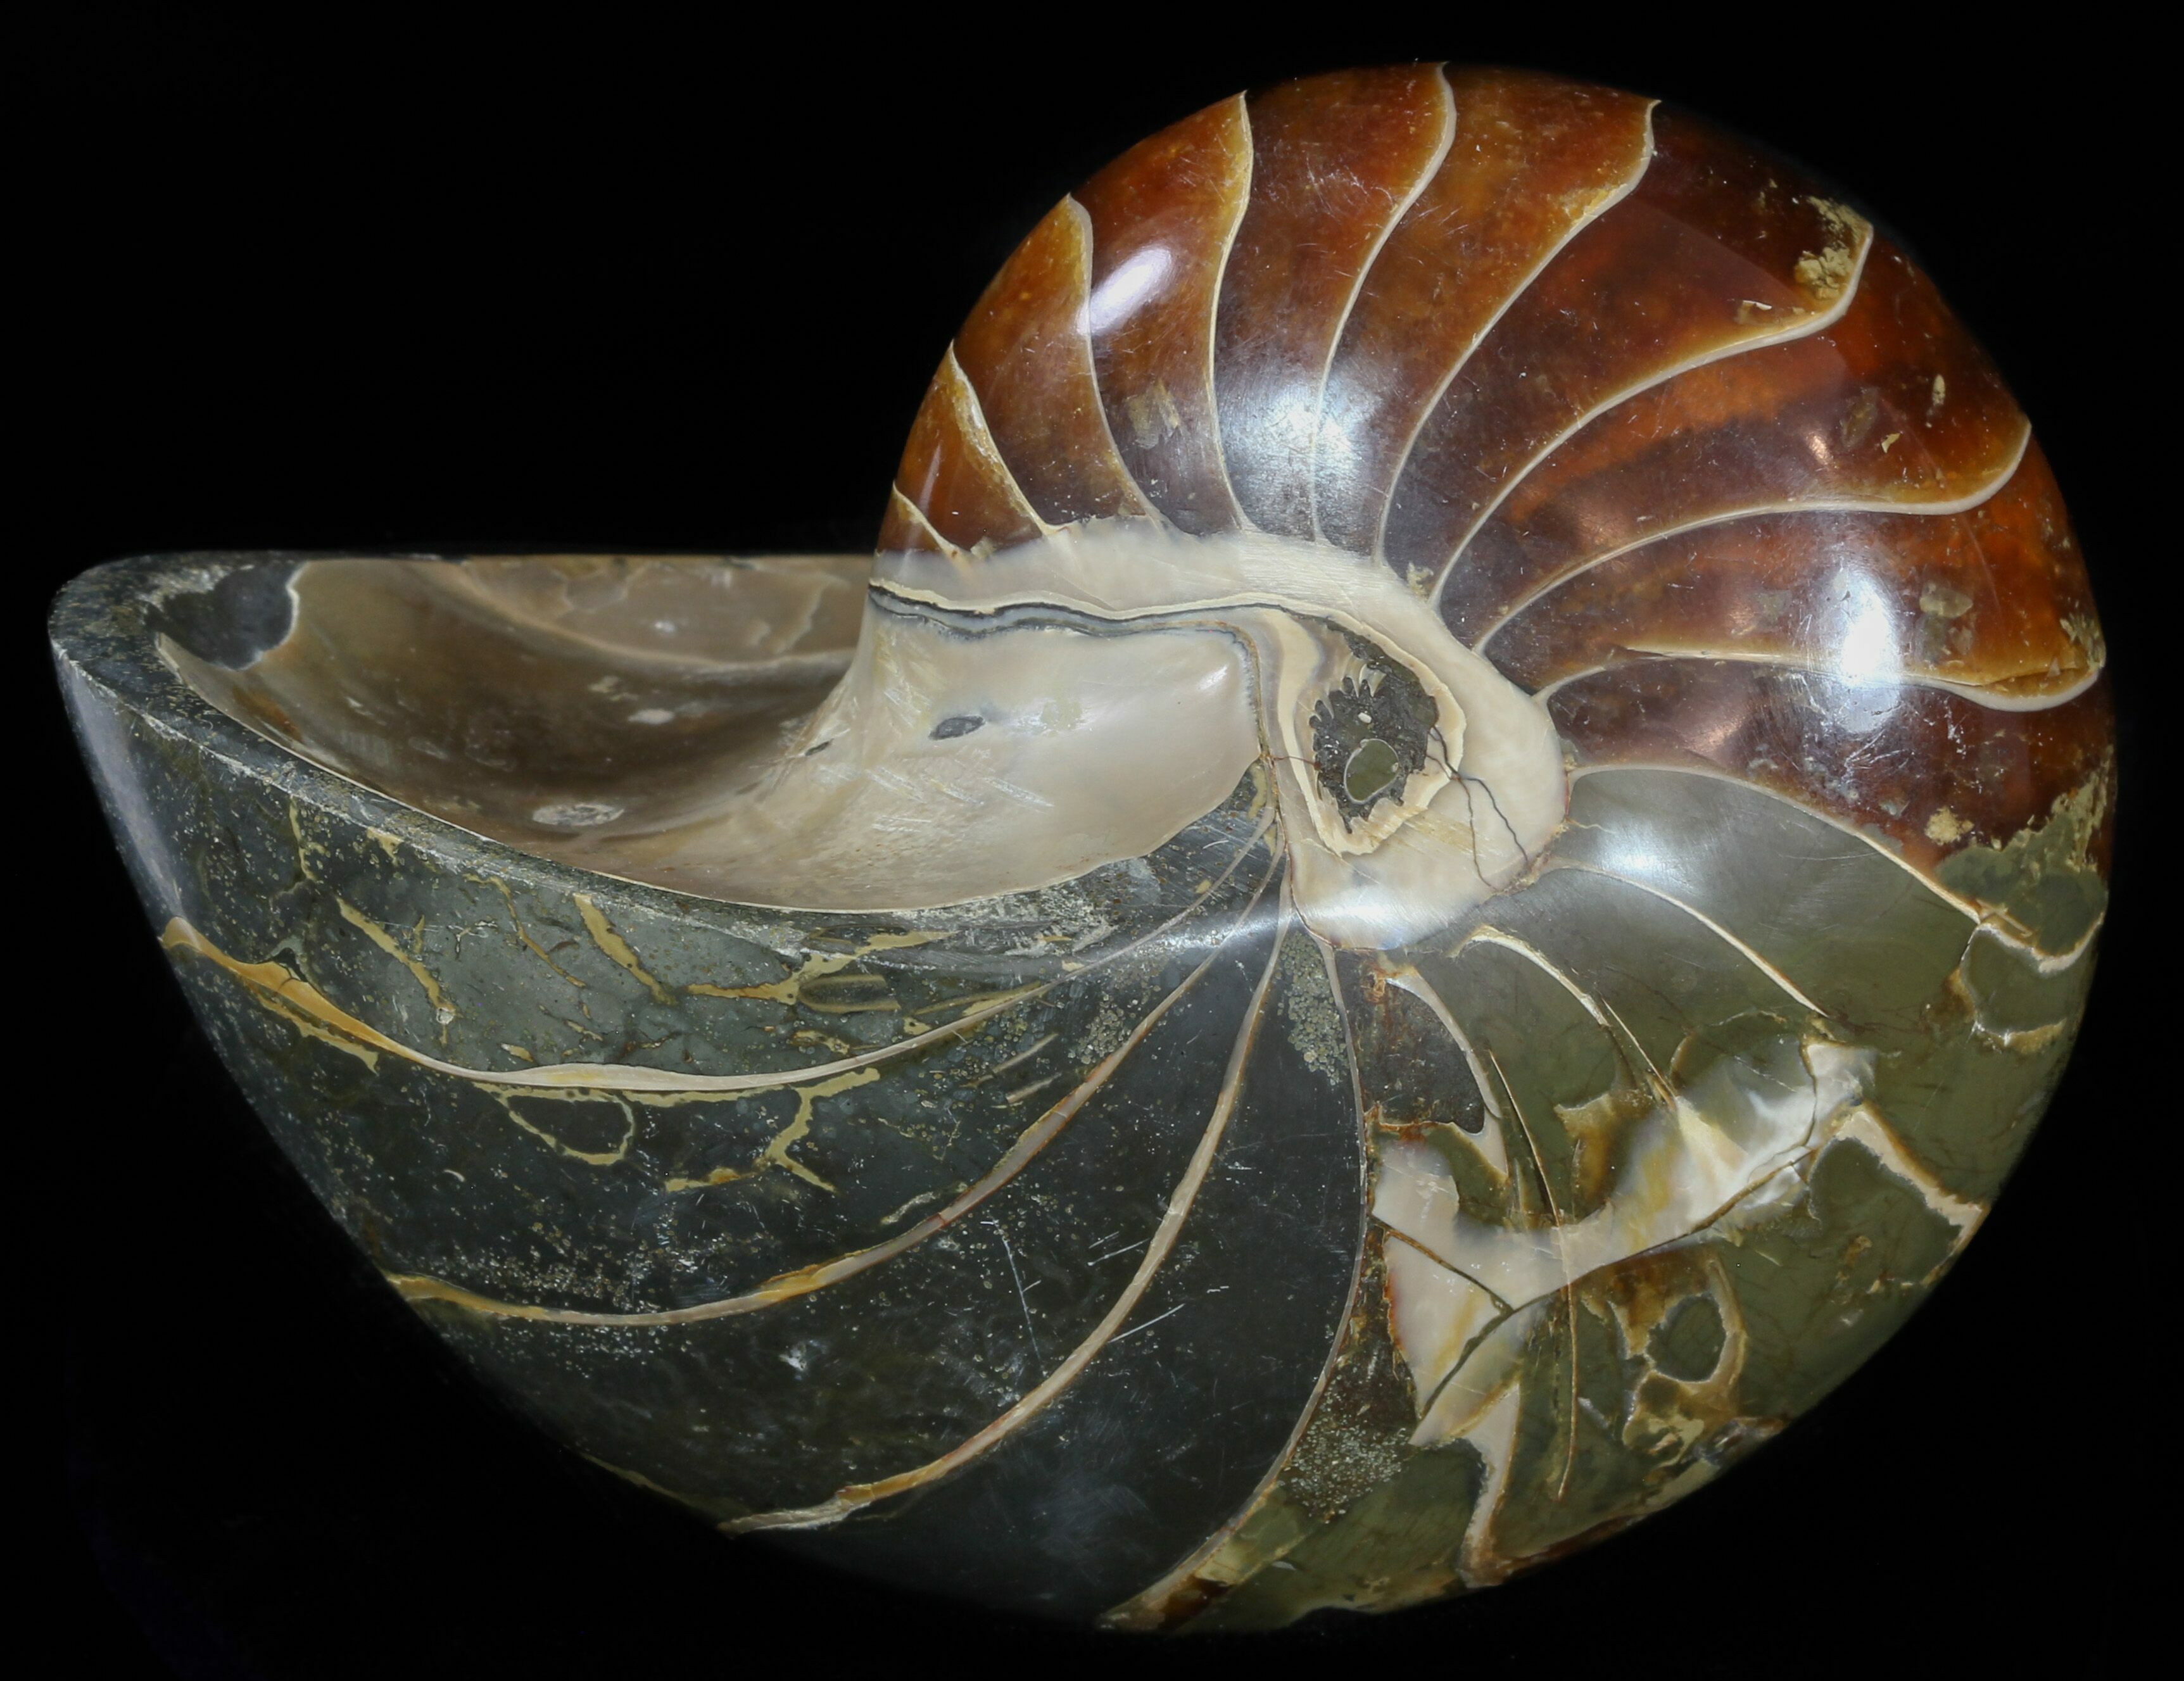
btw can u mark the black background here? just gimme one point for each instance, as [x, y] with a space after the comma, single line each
[586, 280]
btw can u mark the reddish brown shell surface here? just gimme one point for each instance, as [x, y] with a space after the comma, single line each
[1664, 431]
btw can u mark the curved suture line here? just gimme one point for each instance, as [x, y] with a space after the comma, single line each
[1999, 924]
[1818, 322]
[916, 514]
[991, 447]
[1980, 694]
[1984, 491]
[1699, 916]
[806, 1280]
[1487, 934]
[2046, 963]
[1562, 1255]
[1213, 312]
[1409, 978]
[1478, 1339]
[1142, 1610]
[858, 1495]
[1609, 201]
[1083, 326]
[1664, 1092]
[1426, 179]
[1864, 1127]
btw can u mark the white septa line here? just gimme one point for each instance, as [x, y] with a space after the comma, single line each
[1080, 327]
[1803, 327]
[1608, 201]
[917, 516]
[1180, 1200]
[1864, 1127]
[973, 412]
[1486, 934]
[1214, 308]
[2055, 963]
[1978, 694]
[1408, 978]
[1556, 1225]
[1426, 178]
[1992, 921]
[1349, 1037]
[1985, 491]
[1697, 915]
[1142, 1610]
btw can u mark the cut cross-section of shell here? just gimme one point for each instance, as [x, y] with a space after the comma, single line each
[1439, 870]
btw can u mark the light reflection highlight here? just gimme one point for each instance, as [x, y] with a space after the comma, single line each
[1117, 297]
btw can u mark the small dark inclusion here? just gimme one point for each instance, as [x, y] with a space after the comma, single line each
[1370, 734]
[949, 728]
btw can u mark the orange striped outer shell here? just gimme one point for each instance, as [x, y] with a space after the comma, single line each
[1631, 402]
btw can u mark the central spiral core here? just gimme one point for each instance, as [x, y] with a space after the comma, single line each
[1412, 780]
[1372, 733]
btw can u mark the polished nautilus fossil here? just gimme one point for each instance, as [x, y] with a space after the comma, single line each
[1438, 871]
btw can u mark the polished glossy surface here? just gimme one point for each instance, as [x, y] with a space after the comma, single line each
[1437, 874]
